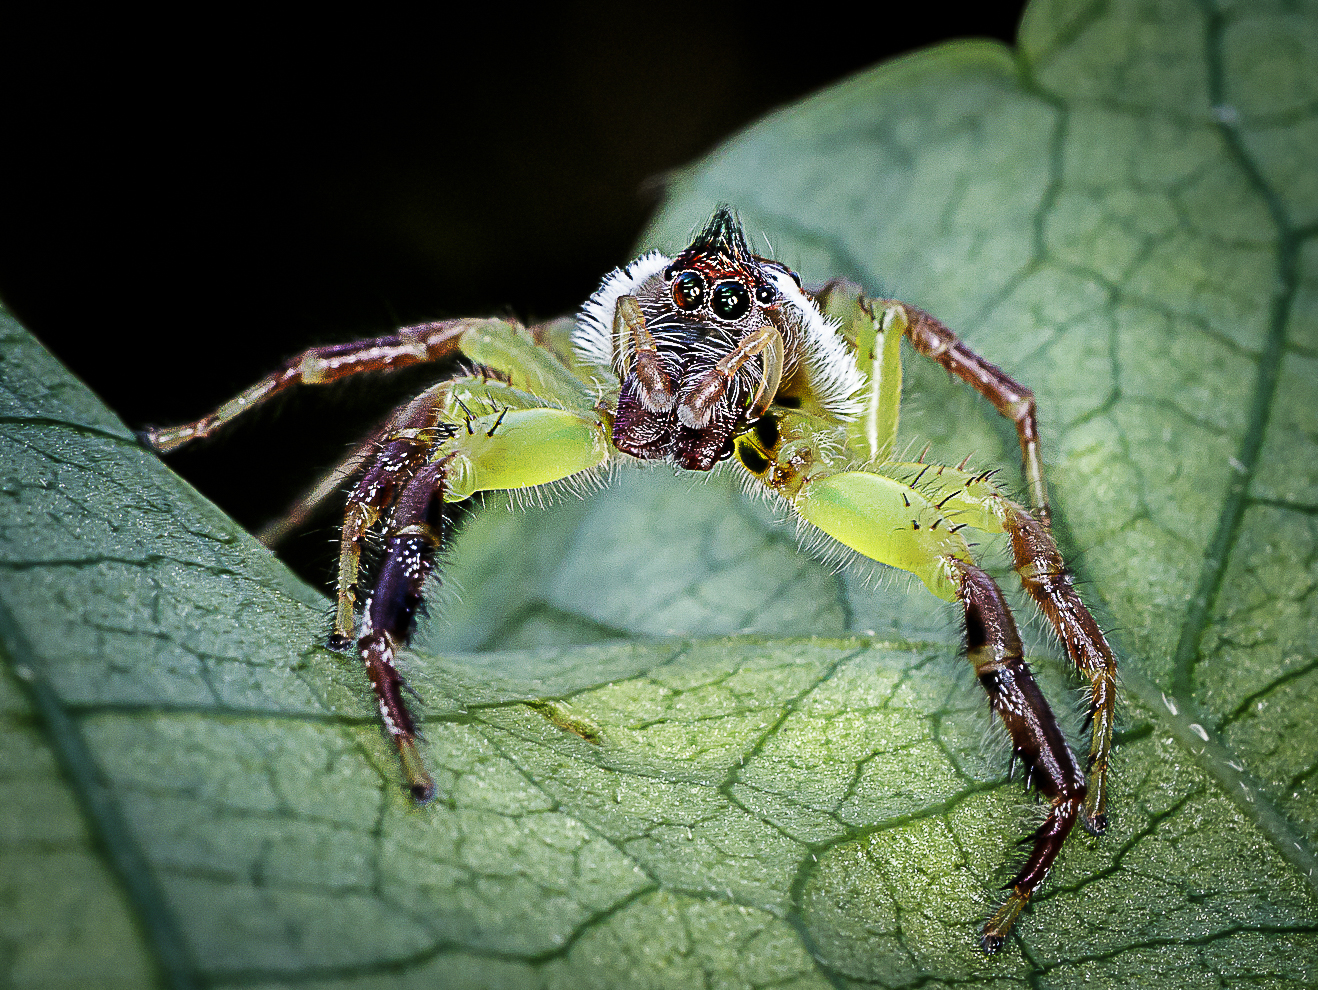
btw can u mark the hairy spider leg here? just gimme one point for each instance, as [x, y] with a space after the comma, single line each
[332, 481]
[509, 449]
[876, 329]
[1013, 400]
[993, 646]
[545, 427]
[876, 337]
[277, 530]
[973, 500]
[417, 528]
[443, 452]
[898, 525]
[397, 458]
[424, 342]
[935, 341]
[1045, 576]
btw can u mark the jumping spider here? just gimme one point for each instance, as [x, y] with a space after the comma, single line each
[715, 354]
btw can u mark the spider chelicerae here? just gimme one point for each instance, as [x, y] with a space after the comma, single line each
[713, 355]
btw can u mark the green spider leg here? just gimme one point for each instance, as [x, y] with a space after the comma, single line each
[838, 478]
[523, 421]
[876, 329]
[865, 321]
[471, 434]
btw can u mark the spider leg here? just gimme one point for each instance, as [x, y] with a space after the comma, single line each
[994, 647]
[901, 525]
[1044, 574]
[277, 530]
[936, 342]
[1013, 400]
[548, 425]
[424, 342]
[972, 499]
[874, 329]
[416, 531]
[875, 333]
[444, 454]
[399, 455]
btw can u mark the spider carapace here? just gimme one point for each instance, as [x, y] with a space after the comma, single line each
[713, 355]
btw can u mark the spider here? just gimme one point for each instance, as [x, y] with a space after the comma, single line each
[716, 354]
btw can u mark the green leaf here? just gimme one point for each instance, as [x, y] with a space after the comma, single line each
[674, 750]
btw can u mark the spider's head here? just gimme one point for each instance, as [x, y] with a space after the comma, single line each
[719, 328]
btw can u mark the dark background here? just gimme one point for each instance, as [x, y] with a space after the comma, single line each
[186, 205]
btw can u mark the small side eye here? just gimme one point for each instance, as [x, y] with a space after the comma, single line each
[689, 291]
[765, 295]
[730, 300]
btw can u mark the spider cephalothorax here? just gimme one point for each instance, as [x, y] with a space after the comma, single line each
[712, 355]
[701, 344]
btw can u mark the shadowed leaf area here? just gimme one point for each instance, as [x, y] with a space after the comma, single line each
[672, 750]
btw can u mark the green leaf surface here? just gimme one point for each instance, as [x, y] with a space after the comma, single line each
[671, 749]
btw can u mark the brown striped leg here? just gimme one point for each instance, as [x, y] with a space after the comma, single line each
[319, 366]
[994, 647]
[397, 459]
[277, 530]
[416, 532]
[1043, 573]
[1013, 400]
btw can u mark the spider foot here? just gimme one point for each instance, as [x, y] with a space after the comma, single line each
[1093, 814]
[998, 927]
[165, 439]
[420, 785]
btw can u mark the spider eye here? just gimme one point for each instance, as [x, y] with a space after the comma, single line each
[730, 300]
[765, 295]
[689, 291]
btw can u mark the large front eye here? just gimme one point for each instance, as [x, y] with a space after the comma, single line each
[730, 300]
[689, 291]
